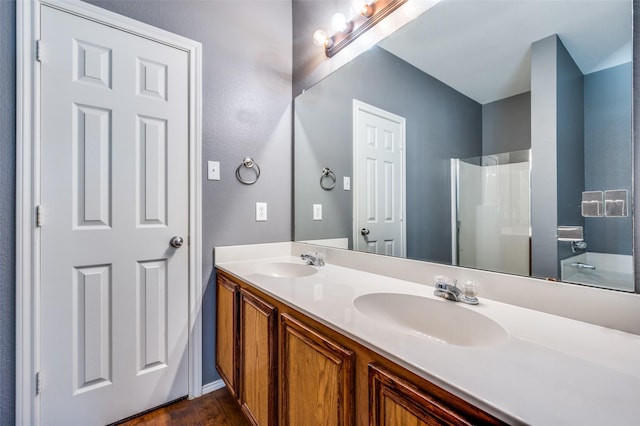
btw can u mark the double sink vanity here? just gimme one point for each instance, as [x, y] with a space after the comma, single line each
[335, 344]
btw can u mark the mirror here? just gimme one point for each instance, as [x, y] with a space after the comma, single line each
[509, 125]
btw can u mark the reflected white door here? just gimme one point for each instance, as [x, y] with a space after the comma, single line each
[379, 188]
[114, 175]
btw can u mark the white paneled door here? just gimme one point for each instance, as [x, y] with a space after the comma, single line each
[114, 193]
[379, 158]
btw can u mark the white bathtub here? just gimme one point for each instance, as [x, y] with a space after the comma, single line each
[614, 271]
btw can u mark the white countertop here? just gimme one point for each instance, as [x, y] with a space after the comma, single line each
[550, 371]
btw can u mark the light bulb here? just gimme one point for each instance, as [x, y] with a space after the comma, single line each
[320, 38]
[339, 22]
[362, 7]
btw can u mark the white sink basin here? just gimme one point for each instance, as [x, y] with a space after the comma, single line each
[285, 270]
[435, 319]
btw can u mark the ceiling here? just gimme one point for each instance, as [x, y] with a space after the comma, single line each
[482, 48]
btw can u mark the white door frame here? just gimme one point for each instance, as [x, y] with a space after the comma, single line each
[362, 106]
[28, 191]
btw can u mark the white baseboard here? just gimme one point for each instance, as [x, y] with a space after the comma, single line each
[213, 386]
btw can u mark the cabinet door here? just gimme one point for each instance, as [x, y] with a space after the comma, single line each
[226, 331]
[394, 401]
[258, 362]
[317, 380]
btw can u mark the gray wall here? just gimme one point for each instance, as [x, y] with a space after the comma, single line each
[543, 158]
[506, 124]
[557, 166]
[246, 111]
[608, 160]
[309, 62]
[246, 97]
[636, 139]
[213, 135]
[441, 124]
[7, 212]
[569, 145]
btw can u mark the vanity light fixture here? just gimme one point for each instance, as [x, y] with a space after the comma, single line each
[368, 14]
[339, 23]
[362, 7]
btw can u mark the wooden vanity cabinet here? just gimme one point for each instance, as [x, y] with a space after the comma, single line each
[315, 375]
[257, 359]
[395, 401]
[227, 293]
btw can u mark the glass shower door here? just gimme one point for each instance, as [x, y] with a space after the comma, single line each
[492, 215]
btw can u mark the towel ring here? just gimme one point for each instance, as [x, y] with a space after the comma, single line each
[248, 163]
[327, 173]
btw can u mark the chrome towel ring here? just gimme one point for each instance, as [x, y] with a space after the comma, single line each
[327, 179]
[248, 163]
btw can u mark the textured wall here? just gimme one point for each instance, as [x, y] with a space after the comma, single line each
[636, 138]
[7, 212]
[544, 158]
[557, 165]
[246, 98]
[309, 62]
[506, 124]
[569, 145]
[217, 128]
[441, 124]
[608, 160]
[246, 111]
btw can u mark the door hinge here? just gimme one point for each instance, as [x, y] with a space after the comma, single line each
[38, 383]
[38, 216]
[39, 50]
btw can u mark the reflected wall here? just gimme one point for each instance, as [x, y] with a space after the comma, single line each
[441, 124]
[577, 126]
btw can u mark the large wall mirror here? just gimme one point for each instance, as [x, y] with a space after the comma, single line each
[488, 134]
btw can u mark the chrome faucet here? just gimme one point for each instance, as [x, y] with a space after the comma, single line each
[580, 265]
[315, 259]
[452, 292]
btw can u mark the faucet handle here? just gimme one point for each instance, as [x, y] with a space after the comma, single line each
[470, 289]
[440, 280]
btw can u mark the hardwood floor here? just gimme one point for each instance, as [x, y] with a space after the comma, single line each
[215, 408]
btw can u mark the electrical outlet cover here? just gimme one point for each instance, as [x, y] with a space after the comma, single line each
[261, 212]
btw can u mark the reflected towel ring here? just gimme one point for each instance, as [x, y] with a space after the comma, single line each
[248, 163]
[327, 173]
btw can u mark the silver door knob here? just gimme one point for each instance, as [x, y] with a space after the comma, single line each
[176, 242]
[364, 231]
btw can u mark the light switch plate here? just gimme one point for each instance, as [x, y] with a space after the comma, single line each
[346, 183]
[261, 212]
[317, 212]
[213, 170]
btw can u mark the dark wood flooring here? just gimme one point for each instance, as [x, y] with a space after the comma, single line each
[215, 408]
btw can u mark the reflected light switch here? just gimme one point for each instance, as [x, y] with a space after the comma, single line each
[317, 212]
[346, 183]
[213, 170]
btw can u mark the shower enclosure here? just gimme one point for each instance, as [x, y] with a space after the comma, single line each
[491, 215]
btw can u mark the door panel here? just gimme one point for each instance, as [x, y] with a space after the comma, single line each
[114, 179]
[379, 187]
[152, 315]
[151, 188]
[92, 327]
